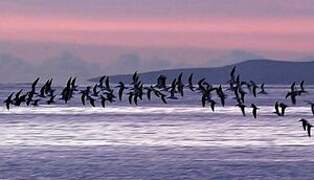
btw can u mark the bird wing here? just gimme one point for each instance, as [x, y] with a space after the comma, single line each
[163, 99]
[309, 130]
[35, 83]
[83, 99]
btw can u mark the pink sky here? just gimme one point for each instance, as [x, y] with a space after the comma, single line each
[253, 33]
[267, 26]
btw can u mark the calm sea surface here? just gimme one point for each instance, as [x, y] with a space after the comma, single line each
[178, 140]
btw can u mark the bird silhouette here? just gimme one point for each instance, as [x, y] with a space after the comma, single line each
[254, 111]
[304, 123]
[242, 107]
[262, 91]
[9, 101]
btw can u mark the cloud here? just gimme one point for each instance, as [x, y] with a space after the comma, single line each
[65, 65]
[13, 70]
[160, 9]
[61, 67]
[157, 63]
[128, 63]
[232, 57]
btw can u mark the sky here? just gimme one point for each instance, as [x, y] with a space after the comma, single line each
[173, 32]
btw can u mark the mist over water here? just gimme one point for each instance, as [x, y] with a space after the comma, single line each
[178, 140]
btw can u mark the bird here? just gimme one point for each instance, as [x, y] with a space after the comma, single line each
[283, 108]
[91, 101]
[190, 83]
[149, 92]
[292, 87]
[180, 85]
[69, 82]
[254, 111]
[302, 90]
[131, 94]
[292, 95]
[29, 98]
[103, 101]
[9, 101]
[135, 78]
[67, 92]
[101, 82]
[242, 107]
[221, 95]
[254, 90]
[121, 87]
[107, 84]
[277, 111]
[280, 108]
[312, 106]
[17, 100]
[95, 91]
[36, 102]
[135, 99]
[242, 94]
[17, 95]
[73, 84]
[34, 85]
[173, 89]
[83, 97]
[42, 91]
[163, 99]
[304, 123]
[201, 87]
[21, 99]
[110, 96]
[212, 104]
[308, 127]
[136, 89]
[262, 91]
[204, 100]
[161, 82]
[232, 73]
[51, 100]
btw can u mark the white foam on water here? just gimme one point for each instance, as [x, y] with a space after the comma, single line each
[194, 127]
[57, 110]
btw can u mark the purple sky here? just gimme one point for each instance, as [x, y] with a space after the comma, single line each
[172, 31]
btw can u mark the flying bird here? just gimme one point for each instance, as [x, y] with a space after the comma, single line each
[8, 101]
[242, 107]
[254, 111]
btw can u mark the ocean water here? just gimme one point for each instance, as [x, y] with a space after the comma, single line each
[178, 140]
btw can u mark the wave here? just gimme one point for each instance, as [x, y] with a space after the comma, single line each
[228, 110]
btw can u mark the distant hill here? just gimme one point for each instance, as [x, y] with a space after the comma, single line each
[262, 70]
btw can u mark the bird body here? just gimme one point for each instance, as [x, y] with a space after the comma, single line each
[212, 104]
[254, 111]
[242, 107]
[8, 101]
[306, 126]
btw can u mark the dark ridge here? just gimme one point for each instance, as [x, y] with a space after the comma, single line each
[261, 70]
